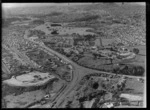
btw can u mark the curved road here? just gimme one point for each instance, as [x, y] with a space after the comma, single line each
[78, 72]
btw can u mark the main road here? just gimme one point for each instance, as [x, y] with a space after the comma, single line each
[78, 72]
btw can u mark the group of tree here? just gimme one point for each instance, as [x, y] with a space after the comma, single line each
[96, 55]
[38, 22]
[7, 21]
[89, 37]
[87, 18]
[136, 50]
[54, 32]
[38, 33]
[54, 14]
[131, 70]
[55, 24]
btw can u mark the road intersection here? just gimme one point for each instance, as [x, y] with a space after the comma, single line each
[78, 73]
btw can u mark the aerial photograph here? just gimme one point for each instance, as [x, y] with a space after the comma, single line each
[74, 55]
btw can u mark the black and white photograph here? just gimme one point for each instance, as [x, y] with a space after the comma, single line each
[73, 55]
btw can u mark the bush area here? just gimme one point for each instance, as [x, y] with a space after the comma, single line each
[37, 22]
[40, 34]
[125, 69]
[87, 18]
[38, 56]
[7, 21]
[55, 24]
[55, 32]
[132, 70]
[84, 38]
[54, 14]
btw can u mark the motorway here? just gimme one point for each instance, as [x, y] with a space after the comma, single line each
[78, 73]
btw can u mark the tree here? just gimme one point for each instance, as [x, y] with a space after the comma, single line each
[111, 60]
[116, 70]
[120, 44]
[54, 32]
[139, 71]
[136, 50]
[68, 105]
[89, 37]
[39, 22]
[94, 55]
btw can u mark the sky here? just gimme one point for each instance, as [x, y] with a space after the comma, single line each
[140, 3]
[13, 5]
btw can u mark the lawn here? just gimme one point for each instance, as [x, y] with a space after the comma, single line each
[101, 64]
[140, 59]
[107, 41]
[134, 86]
[89, 61]
[142, 49]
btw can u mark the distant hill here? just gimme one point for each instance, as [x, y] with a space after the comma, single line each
[110, 7]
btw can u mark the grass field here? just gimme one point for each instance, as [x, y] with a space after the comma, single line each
[140, 58]
[101, 64]
[134, 86]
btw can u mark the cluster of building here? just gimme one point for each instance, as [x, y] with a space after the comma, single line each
[60, 41]
[106, 51]
[124, 99]
[57, 59]
[131, 41]
[131, 100]
[124, 53]
[69, 44]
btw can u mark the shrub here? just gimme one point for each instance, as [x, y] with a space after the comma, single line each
[136, 50]
[54, 32]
